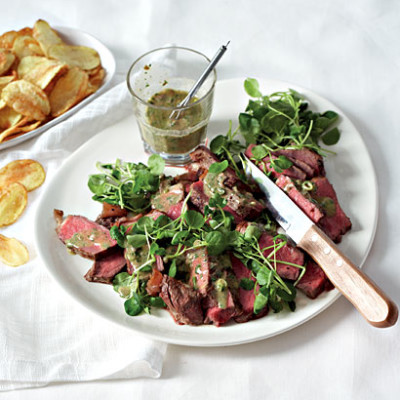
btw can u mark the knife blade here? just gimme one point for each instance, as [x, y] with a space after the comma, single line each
[376, 307]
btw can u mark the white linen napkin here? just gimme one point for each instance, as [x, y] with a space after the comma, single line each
[44, 335]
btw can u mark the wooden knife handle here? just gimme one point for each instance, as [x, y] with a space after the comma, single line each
[360, 290]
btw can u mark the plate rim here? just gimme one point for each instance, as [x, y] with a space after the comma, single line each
[110, 73]
[216, 343]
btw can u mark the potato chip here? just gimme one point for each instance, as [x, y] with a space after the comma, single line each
[68, 90]
[40, 70]
[13, 200]
[75, 56]
[9, 117]
[7, 59]
[26, 46]
[28, 173]
[27, 99]
[45, 35]
[14, 129]
[13, 252]
[5, 80]
[2, 103]
[7, 39]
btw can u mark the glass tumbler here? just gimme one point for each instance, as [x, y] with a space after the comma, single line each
[158, 81]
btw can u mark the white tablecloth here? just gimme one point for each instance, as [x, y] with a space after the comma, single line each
[348, 52]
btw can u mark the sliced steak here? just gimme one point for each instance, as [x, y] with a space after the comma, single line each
[286, 253]
[306, 163]
[335, 222]
[266, 166]
[314, 281]
[309, 206]
[183, 302]
[242, 205]
[170, 200]
[217, 314]
[202, 158]
[222, 301]
[84, 237]
[105, 269]
[199, 265]
[198, 198]
[305, 156]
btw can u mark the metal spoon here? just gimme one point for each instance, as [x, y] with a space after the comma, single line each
[175, 114]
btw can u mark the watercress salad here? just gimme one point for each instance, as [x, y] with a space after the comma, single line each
[280, 120]
[215, 230]
[126, 184]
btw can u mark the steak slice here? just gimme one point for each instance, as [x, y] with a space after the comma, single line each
[309, 206]
[242, 205]
[266, 166]
[170, 200]
[183, 302]
[246, 297]
[335, 222]
[83, 236]
[222, 301]
[199, 265]
[314, 281]
[219, 315]
[306, 163]
[105, 269]
[202, 158]
[304, 156]
[286, 253]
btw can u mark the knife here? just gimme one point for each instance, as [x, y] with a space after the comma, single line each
[376, 307]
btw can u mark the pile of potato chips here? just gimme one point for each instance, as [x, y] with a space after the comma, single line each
[17, 178]
[42, 77]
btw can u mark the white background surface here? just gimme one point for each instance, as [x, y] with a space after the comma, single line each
[346, 51]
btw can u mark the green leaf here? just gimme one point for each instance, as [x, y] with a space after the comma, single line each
[259, 152]
[172, 269]
[137, 240]
[217, 201]
[259, 303]
[246, 284]
[216, 243]
[217, 143]
[276, 305]
[251, 87]
[252, 233]
[332, 115]
[264, 276]
[217, 168]
[282, 162]
[157, 302]
[156, 164]
[122, 284]
[193, 219]
[285, 295]
[273, 122]
[97, 183]
[144, 224]
[245, 121]
[331, 137]
[180, 237]
[116, 233]
[133, 306]
[161, 221]
[156, 249]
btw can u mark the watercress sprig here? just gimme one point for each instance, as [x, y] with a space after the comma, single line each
[126, 184]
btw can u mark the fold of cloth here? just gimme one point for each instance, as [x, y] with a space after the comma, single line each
[44, 335]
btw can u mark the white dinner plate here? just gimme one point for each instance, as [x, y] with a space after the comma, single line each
[350, 171]
[74, 37]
